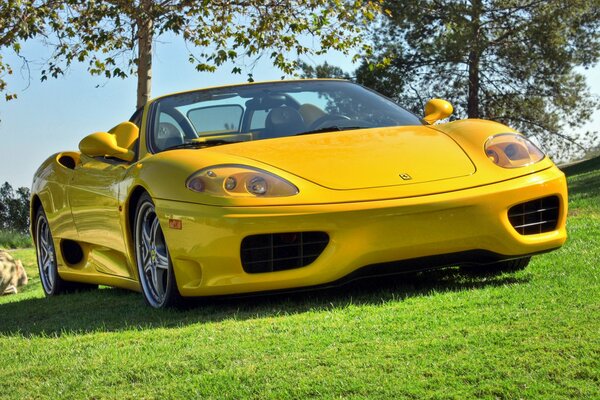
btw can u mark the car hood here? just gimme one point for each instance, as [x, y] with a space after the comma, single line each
[360, 159]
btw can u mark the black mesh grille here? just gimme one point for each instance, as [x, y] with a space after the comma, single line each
[536, 216]
[281, 251]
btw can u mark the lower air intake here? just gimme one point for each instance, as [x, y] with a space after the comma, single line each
[536, 216]
[281, 251]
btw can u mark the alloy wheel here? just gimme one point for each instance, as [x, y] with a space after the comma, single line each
[46, 254]
[152, 257]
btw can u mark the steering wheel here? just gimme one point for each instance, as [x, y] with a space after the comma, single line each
[321, 122]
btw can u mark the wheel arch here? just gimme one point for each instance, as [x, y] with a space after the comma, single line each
[130, 207]
[34, 205]
[137, 193]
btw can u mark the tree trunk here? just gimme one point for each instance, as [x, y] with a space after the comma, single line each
[474, 60]
[144, 64]
[473, 99]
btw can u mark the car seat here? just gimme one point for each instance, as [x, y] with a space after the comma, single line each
[283, 121]
[168, 135]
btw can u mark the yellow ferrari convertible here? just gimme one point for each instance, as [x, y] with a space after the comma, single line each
[287, 185]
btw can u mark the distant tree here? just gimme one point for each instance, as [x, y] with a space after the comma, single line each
[14, 208]
[507, 60]
[21, 209]
[115, 37]
[337, 103]
[5, 193]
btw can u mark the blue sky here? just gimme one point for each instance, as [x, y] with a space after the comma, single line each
[55, 115]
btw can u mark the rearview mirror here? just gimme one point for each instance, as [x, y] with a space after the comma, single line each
[114, 143]
[437, 109]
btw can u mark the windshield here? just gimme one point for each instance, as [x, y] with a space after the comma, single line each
[269, 110]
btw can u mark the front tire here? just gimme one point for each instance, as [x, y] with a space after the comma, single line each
[154, 266]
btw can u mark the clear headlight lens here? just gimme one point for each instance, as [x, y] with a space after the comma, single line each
[230, 183]
[239, 181]
[509, 150]
[257, 185]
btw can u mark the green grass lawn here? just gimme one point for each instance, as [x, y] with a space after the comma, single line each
[531, 334]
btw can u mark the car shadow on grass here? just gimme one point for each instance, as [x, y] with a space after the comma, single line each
[109, 310]
[587, 186]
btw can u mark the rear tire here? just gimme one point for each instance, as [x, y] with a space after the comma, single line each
[52, 283]
[498, 268]
[154, 266]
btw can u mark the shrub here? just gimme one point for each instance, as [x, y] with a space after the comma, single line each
[14, 240]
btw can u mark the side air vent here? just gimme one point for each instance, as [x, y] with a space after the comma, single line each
[536, 216]
[68, 159]
[281, 251]
[71, 252]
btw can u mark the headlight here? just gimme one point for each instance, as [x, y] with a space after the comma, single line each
[239, 181]
[509, 150]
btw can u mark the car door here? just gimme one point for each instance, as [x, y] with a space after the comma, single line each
[97, 212]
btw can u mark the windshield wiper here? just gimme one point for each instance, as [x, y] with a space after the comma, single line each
[200, 145]
[333, 128]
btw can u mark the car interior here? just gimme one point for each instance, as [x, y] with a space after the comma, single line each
[262, 118]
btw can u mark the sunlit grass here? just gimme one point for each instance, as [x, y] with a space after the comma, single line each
[531, 334]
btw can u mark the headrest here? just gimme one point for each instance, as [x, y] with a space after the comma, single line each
[283, 121]
[126, 134]
[266, 102]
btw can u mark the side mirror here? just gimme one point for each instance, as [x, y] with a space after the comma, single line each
[114, 143]
[437, 109]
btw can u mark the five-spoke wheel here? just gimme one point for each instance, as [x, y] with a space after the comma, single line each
[152, 257]
[46, 256]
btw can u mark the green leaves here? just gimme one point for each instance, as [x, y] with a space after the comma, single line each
[19, 20]
[514, 59]
[106, 34]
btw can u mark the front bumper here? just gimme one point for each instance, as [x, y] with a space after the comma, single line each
[206, 250]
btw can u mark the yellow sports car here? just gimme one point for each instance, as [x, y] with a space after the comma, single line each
[287, 185]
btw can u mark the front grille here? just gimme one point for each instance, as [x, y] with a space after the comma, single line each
[536, 216]
[281, 251]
